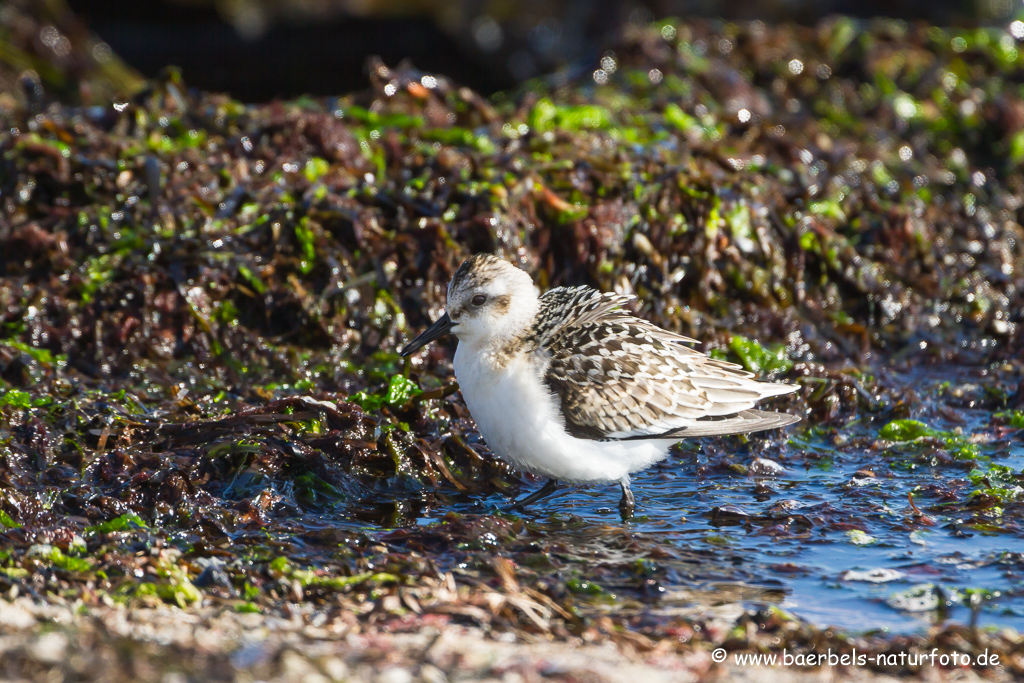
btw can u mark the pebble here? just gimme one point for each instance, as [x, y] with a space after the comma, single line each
[763, 467]
[50, 648]
[395, 675]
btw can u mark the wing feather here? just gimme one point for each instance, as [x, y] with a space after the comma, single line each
[620, 377]
[744, 422]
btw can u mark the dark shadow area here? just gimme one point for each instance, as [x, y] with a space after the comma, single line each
[294, 54]
[324, 58]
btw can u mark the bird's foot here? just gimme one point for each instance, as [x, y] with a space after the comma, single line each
[550, 487]
[627, 505]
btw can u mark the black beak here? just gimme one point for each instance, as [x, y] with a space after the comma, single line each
[440, 328]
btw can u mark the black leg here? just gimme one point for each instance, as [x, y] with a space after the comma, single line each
[542, 492]
[626, 504]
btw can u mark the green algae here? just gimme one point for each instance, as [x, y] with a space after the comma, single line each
[757, 358]
[915, 430]
[16, 399]
[546, 116]
[906, 430]
[400, 390]
[69, 563]
[129, 520]
[173, 586]
[7, 521]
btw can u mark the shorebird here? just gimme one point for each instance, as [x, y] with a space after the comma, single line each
[570, 386]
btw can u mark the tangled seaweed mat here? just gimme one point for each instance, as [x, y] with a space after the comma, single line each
[201, 300]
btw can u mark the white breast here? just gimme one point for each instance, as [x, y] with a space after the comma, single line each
[519, 419]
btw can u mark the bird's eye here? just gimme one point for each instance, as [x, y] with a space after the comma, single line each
[479, 300]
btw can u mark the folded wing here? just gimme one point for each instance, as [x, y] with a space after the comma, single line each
[619, 377]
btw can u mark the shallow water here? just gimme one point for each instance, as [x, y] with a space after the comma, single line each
[797, 534]
[811, 568]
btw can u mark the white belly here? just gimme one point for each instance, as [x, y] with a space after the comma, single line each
[519, 419]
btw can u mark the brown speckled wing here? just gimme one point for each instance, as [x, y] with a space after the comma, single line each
[617, 376]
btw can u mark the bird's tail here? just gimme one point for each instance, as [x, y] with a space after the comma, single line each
[743, 422]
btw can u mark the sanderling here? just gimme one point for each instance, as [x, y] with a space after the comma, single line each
[570, 386]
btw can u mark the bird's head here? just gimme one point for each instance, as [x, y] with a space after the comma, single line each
[490, 303]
